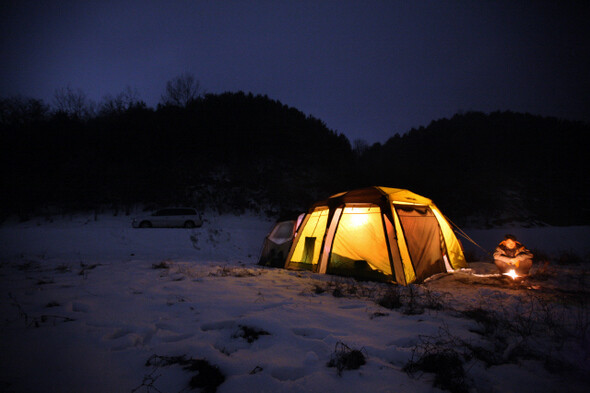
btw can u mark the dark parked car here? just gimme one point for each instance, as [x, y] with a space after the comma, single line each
[175, 217]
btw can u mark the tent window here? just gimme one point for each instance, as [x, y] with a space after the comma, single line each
[423, 238]
[307, 250]
[283, 230]
[359, 246]
[422, 210]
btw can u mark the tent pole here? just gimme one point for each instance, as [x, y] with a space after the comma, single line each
[465, 236]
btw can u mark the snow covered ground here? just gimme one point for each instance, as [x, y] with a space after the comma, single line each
[87, 304]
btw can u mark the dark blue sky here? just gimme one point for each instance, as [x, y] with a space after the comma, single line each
[368, 69]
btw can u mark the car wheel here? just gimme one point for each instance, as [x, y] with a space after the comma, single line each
[145, 224]
[189, 224]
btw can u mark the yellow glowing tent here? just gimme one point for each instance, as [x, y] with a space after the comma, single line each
[376, 233]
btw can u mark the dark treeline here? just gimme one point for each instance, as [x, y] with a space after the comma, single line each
[231, 151]
[236, 151]
[499, 167]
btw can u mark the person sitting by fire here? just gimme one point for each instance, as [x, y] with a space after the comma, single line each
[512, 255]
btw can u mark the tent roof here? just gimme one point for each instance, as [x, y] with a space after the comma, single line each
[405, 196]
[374, 195]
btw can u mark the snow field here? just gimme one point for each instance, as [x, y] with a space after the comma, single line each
[86, 303]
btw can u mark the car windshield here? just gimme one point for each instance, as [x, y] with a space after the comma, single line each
[175, 212]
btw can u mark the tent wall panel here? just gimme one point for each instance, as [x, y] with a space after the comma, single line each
[423, 238]
[406, 261]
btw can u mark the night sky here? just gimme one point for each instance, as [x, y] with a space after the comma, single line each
[368, 69]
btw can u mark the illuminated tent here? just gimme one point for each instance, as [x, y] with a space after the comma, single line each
[376, 233]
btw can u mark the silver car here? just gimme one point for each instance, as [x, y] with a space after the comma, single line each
[175, 217]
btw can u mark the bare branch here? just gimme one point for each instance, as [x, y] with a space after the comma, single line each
[181, 90]
[75, 104]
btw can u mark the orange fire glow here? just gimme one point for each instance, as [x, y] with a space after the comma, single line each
[512, 273]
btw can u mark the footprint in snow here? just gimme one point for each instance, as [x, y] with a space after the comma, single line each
[311, 333]
[126, 337]
[352, 306]
[80, 307]
[404, 342]
[170, 337]
[220, 325]
[287, 373]
[118, 333]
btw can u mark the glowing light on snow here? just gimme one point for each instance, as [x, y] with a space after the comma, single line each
[512, 273]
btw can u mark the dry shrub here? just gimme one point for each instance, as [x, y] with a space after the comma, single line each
[250, 334]
[208, 376]
[63, 268]
[346, 358]
[225, 271]
[446, 365]
[441, 356]
[161, 265]
[391, 299]
[318, 289]
[487, 319]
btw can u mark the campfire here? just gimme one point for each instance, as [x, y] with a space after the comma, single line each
[512, 273]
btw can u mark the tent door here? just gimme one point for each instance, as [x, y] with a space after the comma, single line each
[308, 250]
[305, 252]
[357, 244]
[423, 238]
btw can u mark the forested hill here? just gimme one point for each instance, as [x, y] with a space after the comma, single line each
[500, 167]
[229, 151]
[236, 151]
